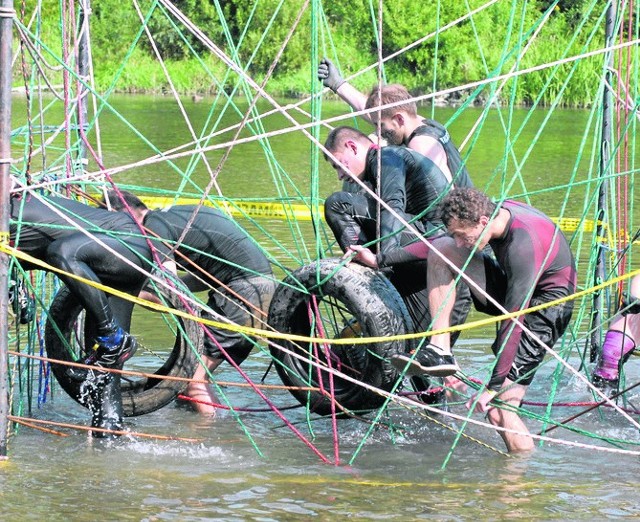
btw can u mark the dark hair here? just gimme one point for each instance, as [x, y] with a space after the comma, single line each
[391, 94]
[467, 205]
[120, 200]
[341, 134]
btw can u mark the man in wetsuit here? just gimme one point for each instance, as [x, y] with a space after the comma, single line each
[219, 256]
[401, 124]
[91, 243]
[411, 185]
[533, 265]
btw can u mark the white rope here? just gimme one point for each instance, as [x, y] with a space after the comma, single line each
[7, 12]
[178, 152]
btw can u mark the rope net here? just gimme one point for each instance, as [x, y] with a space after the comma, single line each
[258, 158]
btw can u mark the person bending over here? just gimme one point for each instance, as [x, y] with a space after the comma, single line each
[533, 265]
[217, 254]
[411, 185]
[91, 243]
[401, 124]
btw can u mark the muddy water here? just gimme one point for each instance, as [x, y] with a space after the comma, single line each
[251, 464]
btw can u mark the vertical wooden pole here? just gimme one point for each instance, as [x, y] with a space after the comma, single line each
[6, 30]
[606, 140]
[83, 73]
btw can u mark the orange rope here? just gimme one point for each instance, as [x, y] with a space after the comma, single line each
[103, 430]
[160, 377]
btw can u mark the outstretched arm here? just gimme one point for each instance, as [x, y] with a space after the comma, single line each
[330, 77]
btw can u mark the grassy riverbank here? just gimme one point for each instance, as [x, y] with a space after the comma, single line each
[490, 44]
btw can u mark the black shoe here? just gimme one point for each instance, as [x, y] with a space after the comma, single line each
[607, 386]
[428, 361]
[103, 357]
[433, 393]
[24, 305]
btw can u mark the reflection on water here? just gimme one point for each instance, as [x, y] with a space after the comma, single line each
[272, 476]
[247, 465]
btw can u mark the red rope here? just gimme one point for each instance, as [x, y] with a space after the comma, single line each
[585, 404]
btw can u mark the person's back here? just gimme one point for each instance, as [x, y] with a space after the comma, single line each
[433, 129]
[535, 252]
[36, 223]
[213, 241]
[411, 185]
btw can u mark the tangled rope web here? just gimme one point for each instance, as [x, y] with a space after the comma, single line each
[258, 156]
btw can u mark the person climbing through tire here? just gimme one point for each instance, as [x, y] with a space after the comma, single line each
[533, 265]
[90, 243]
[218, 255]
[412, 186]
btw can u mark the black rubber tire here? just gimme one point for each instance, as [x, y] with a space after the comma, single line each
[347, 295]
[139, 395]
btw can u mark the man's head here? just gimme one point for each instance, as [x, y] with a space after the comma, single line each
[393, 120]
[350, 147]
[123, 200]
[466, 212]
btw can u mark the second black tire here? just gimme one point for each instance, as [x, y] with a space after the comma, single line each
[329, 299]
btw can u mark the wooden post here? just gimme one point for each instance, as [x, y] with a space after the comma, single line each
[6, 29]
[606, 141]
[83, 73]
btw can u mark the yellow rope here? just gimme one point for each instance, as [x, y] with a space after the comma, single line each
[256, 332]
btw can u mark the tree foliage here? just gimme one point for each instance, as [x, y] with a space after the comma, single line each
[253, 33]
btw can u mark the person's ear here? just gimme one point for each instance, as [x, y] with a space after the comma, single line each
[484, 221]
[398, 117]
[352, 146]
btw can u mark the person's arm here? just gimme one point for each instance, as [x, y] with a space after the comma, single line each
[330, 77]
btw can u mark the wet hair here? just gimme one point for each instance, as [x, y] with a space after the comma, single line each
[467, 205]
[339, 135]
[391, 94]
[117, 200]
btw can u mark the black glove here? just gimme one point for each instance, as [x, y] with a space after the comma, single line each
[329, 76]
[630, 305]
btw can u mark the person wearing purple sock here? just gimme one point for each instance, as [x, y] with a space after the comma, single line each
[619, 343]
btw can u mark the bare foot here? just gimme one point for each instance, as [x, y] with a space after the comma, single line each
[202, 398]
[456, 389]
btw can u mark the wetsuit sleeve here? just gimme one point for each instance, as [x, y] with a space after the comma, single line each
[393, 193]
[522, 270]
[433, 185]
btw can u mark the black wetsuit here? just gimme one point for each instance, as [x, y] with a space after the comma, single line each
[218, 253]
[437, 131]
[39, 230]
[412, 185]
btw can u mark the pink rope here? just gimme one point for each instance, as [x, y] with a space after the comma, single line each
[321, 333]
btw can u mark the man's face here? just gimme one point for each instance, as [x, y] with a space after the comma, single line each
[350, 157]
[467, 235]
[390, 129]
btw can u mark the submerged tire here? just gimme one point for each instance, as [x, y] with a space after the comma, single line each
[352, 301]
[65, 336]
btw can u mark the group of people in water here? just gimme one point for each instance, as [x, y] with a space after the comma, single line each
[407, 206]
[510, 256]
